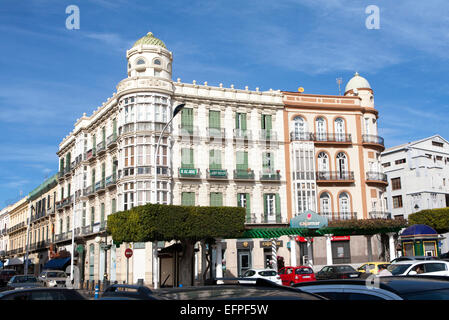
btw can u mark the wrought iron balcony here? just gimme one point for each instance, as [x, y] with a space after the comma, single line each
[335, 216]
[90, 155]
[99, 186]
[188, 131]
[270, 175]
[101, 148]
[262, 218]
[217, 174]
[334, 176]
[242, 174]
[332, 137]
[111, 141]
[111, 181]
[301, 136]
[372, 139]
[372, 176]
[244, 134]
[88, 191]
[216, 133]
[268, 135]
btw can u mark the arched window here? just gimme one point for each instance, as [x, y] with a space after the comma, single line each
[339, 129]
[323, 166]
[157, 62]
[342, 165]
[140, 61]
[325, 205]
[343, 200]
[300, 128]
[320, 129]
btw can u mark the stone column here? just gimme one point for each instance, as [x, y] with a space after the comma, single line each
[155, 266]
[369, 247]
[309, 250]
[328, 248]
[392, 246]
[293, 251]
[274, 254]
[219, 268]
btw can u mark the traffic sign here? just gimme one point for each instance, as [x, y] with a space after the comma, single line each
[128, 253]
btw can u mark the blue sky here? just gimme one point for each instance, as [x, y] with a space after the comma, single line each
[51, 75]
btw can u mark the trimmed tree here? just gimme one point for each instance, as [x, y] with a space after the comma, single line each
[188, 224]
[435, 218]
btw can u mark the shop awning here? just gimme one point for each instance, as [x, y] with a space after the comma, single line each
[275, 232]
[14, 262]
[57, 264]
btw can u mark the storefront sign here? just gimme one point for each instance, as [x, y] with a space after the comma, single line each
[341, 238]
[244, 244]
[309, 220]
[267, 243]
[188, 172]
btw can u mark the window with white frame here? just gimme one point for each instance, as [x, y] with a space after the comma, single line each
[271, 207]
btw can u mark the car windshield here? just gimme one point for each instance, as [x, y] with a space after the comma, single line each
[345, 269]
[397, 269]
[56, 275]
[269, 273]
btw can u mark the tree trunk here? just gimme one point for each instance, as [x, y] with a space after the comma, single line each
[186, 263]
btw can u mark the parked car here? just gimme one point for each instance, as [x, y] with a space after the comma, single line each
[337, 272]
[41, 294]
[415, 267]
[292, 275]
[53, 278]
[127, 292]
[371, 267]
[261, 289]
[24, 281]
[268, 274]
[387, 288]
[6, 275]
[408, 258]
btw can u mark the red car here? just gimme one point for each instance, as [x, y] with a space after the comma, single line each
[292, 275]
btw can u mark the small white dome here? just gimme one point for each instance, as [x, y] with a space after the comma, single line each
[357, 82]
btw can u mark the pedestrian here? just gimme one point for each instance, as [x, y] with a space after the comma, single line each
[383, 271]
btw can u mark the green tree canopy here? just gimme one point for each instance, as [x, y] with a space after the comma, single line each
[155, 222]
[435, 218]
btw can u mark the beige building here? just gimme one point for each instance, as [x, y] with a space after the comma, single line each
[17, 235]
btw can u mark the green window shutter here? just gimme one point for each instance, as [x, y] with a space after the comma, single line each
[102, 213]
[240, 121]
[103, 131]
[187, 119]
[94, 144]
[248, 207]
[278, 208]
[242, 160]
[92, 216]
[214, 159]
[114, 206]
[61, 164]
[103, 172]
[243, 121]
[114, 128]
[214, 119]
[187, 158]
[187, 198]
[93, 179]
[216, 199]
[265, 208]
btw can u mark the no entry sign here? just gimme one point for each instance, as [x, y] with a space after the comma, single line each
[128, 253]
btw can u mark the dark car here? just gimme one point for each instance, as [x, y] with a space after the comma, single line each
[41, 294]
[337, 272]
[6, 275]
[261, 289]
[127, 292]
[24, 281]
[384, 288]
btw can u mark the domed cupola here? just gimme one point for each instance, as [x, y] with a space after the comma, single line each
[150, 39]
[357, 82]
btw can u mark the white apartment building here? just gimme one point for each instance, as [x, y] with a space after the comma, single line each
[418, 176]
[4, 225]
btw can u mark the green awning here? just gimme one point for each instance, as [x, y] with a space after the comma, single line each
[276, 232]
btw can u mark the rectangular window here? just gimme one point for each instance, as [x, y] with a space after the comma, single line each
[214, 119]
[242, 160]
[437, 144]
[114, 206]
[187, 198]
[243, 201]
[386, 164]
[214, 159]
[216, 199]
[399, 161]
[240, 121]
[396, 183]
[397, 202]
[187, 119]
[267, 162]
[187, 158]
[92, 216]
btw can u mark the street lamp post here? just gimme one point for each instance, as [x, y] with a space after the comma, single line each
[154, 194]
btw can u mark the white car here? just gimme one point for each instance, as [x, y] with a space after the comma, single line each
[268, 274]
[424, 268]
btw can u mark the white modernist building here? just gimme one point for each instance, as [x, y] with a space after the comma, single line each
[418, 176]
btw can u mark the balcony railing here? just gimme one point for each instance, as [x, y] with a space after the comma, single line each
[376, 176]
[61, 174]
[301, 136]
[88, 191]
[217, 173]
[241, 174]
[188, 131]
[268, 135]
[216, 133]
[111, 140]
[242, 134]
[101, 147]
[270, 175]
[189, 173]
[99, 186]
[379, 215]
[368, 138]
[111, 180]
[331, 137]
[264, 219]
[335, 176]
[90, 155]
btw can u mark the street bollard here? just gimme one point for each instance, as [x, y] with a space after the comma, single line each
[97, 291]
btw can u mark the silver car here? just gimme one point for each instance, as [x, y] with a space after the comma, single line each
[24, 281]
[53, 278]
